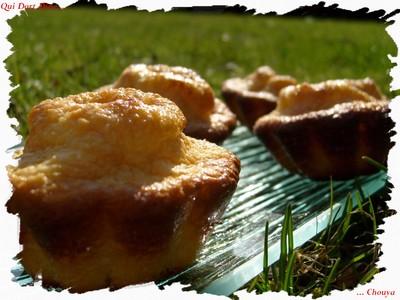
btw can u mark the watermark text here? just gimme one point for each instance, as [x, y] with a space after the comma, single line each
[9, 6]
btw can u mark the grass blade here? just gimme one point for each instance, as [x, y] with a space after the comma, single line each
[265, 260]
[349, 209]
[374, 163]
[290, 229]
[288, 282]
[367, 277]
[359, 201]
[327, 232]
[346, 221]
[372, 213]
[329, 279]
[253, 284]
[283, 255]
[290, 242]
[358, 257]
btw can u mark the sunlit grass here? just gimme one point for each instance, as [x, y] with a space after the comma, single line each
[58, 53]
[321, 265]
[341, 257]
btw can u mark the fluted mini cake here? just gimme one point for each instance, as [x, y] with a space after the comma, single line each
[207, 117]
[255, 95]
[323, 130]
[110, 192]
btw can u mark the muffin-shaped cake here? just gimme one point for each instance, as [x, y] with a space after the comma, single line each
[111, 192]
[255, 95]
[324, 129]
[207, 117]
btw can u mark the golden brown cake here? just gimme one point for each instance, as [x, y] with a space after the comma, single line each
[255, 95]
[110, 192]
[324, 129]
[207, 117]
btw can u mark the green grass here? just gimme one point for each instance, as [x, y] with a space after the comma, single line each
[58, 53]
[341, 257]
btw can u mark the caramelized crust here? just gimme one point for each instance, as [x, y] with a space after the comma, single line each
[110, 191]
[185, 87]
[255, 95]
[322, 130]
[304, 98]
[208, 118]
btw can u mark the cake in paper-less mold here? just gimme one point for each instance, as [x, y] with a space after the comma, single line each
[207, 116]
[323, 130]
[111, 192]
[254, 95]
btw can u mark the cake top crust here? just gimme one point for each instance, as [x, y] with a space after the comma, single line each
[125, 119]
[112, 139]
[305, 98]
[264, 82]
[185, 87]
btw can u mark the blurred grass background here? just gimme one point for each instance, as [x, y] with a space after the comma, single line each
[62, 52]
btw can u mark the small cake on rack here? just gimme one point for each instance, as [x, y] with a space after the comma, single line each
[207, 116]
[111, 192]
[255, 95]
[323, 130]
